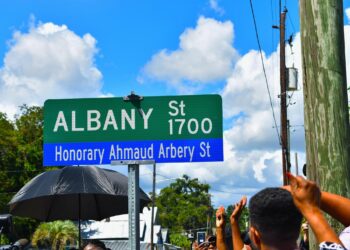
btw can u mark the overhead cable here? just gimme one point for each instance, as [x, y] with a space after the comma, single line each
[263, 66]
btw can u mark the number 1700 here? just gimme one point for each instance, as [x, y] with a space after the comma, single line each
[192, 126]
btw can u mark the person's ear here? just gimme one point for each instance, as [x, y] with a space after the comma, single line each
[255, 237]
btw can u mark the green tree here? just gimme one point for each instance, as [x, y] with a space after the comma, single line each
[184, 205]
[20, 158]
[20, 148]
[29, 128]
[8, 150]
[180, 240]
[55, 235]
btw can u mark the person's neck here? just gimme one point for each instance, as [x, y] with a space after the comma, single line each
[286, 246]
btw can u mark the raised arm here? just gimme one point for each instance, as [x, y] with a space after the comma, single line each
[307, 198]
[220, 229]
[234, 220]
[334, 205]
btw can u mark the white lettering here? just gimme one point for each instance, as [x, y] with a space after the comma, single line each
[110, 120]
[205, 149]
[79, 154]
[60, 121]
[100, 154]
[173, 107]
[189, 126]
[131, 120]
[172, 151]
[119, 153]
[74, 128]
[161, 153]
[210, 126]
[112, 153]
[146, 117]
[91, 120]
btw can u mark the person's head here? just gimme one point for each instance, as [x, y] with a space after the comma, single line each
[94, 245]
[305, 227]
[275, 221]
[209, 243]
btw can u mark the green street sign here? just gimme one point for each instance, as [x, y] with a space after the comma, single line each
[162, 128]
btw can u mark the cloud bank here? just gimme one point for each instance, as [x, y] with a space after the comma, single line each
[251, 145]
[50, 61]
[205, 55]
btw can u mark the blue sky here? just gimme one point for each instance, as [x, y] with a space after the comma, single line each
[128, 33]
[90, 48]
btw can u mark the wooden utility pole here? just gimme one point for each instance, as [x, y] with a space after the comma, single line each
[283, 96]
[325, 96]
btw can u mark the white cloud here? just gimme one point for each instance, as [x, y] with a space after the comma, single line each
[205, 55]
[251, 145]
[215, 6]
[242, 173]
[50, 61]
[347, 12]
[254, 130]
[252, 152]
[246, 99]
[246, 90]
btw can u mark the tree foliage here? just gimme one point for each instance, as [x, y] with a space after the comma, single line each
[184, 204]
[55, 235]
[180, 240]
[21, 142]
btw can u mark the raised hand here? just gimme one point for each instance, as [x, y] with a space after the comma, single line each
[220, 228]
[307, 197]
[237, 211]
[306, 194]
[220, 217]
[234, 218]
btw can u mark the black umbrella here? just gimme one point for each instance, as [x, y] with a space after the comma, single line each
[74, 193]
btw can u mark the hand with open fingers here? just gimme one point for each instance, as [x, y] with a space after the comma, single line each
[220, 217]
[306, 194]
[237, 210]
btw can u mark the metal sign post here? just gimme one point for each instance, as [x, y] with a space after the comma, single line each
[134, 207]
[133, 200]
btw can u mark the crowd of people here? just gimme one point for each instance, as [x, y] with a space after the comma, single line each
[279, 220]
[276, 220]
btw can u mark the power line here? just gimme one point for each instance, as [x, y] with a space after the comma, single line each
[1, 193]
[263, 66]
[167, 178]
[291, 22]
[226, 192]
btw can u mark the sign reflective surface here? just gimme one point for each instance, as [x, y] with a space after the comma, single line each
[163, 128]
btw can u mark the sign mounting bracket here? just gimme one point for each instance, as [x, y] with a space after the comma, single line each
[135, 100]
